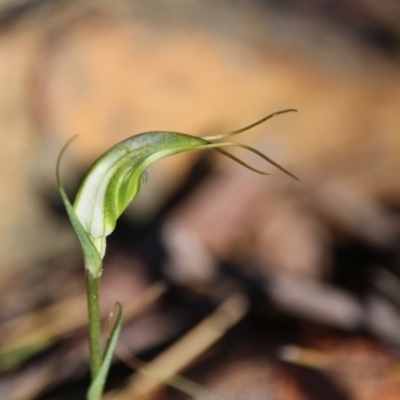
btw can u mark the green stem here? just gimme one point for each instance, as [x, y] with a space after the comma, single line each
[92, 293]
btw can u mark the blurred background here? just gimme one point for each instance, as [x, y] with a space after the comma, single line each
[234, 285]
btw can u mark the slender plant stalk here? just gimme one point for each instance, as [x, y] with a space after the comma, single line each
[92, 293]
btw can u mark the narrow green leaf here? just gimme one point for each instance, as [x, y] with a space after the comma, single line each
[97, 386]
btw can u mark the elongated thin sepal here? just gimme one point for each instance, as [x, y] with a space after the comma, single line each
[246, 128]
[259, 153]
[219, 146]
[91, 255]
[97, 386]
[242, 163]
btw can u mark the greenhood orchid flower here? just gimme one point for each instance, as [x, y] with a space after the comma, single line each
[115, 178]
